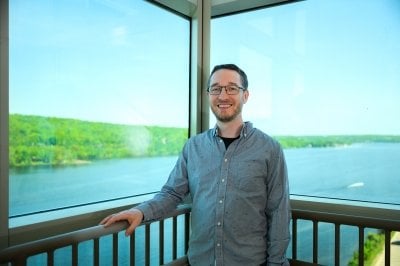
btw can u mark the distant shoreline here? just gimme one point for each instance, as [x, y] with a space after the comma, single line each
[333, 140]
[40, 141]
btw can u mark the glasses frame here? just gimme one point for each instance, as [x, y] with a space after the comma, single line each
[228, 92]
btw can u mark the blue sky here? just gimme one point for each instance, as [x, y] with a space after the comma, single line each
[98, 61]
[318, 67]
[314, 67]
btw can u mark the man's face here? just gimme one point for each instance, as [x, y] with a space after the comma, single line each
[227, 107]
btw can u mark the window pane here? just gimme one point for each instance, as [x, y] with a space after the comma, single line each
[91, 87]
[324, 80]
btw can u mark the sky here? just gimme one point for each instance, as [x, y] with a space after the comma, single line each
[314, 67]
[99, 60]
[317, 67]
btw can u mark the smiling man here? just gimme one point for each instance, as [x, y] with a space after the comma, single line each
[227, 106]
[237, 178]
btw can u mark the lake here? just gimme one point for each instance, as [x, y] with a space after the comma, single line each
[366, 172]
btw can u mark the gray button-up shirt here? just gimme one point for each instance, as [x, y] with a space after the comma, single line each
[240, 210]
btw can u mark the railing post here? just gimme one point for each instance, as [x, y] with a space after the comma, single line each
[174, 238]
[132, 245]
[96, 253]
[115, 249]
[147, 245]
[161, 242]
[50, 258]
[75, 254]
[337, 244]
[387, 247]
[21, 262]
[315, 241]
[294, 238]
[360, 245]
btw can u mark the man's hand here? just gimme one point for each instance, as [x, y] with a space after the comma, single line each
[133, 216]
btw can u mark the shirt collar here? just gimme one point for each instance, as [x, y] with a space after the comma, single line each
[247, 126]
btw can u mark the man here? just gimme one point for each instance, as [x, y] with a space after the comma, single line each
[237, 178]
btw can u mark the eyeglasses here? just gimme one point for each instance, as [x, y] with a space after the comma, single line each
[229, 89]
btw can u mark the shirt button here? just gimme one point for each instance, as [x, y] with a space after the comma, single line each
[219, 223]
[218, 244]
[220, 201]
[226, 160]
[220, 140]
[223, 180]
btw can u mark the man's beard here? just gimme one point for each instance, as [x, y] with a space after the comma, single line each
[226, 117]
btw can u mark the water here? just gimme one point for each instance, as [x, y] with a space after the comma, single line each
[366, 172]
[31, 188]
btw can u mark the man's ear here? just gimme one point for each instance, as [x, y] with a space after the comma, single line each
[245, 96]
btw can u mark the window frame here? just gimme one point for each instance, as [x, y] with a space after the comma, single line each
[200, 14]
[3, 123]
[76, 51]
[62, 223]
[298, 195]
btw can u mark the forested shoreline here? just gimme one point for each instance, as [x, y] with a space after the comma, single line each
[39, 140]
[333, 140]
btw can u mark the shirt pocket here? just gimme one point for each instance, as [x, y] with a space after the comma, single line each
[250, 176]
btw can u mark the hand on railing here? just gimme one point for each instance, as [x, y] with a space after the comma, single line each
[133, 216]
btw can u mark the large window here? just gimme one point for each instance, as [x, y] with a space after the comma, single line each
[324, 80]
[99, 102]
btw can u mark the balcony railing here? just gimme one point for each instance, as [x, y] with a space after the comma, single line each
[338, 215]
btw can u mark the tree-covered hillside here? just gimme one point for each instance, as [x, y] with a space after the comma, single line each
[332, 140]
[37, 140]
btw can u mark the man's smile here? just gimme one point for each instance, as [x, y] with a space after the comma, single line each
[224, 105]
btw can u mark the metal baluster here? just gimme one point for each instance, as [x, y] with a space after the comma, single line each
[161, 242]
[96, 252]
[50, 258]
[174, 238]
[315, 241]
[115, 249]
[294, 238]
[75, 254]
[387, 247]
[360, 246]
[132, 249]
[147, 244]
[337, 244]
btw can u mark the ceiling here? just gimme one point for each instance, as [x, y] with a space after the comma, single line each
[218, 7]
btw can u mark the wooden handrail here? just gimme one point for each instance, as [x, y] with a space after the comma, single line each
[354, 220]
[366, 217]
[386, 220]
[22, 251]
